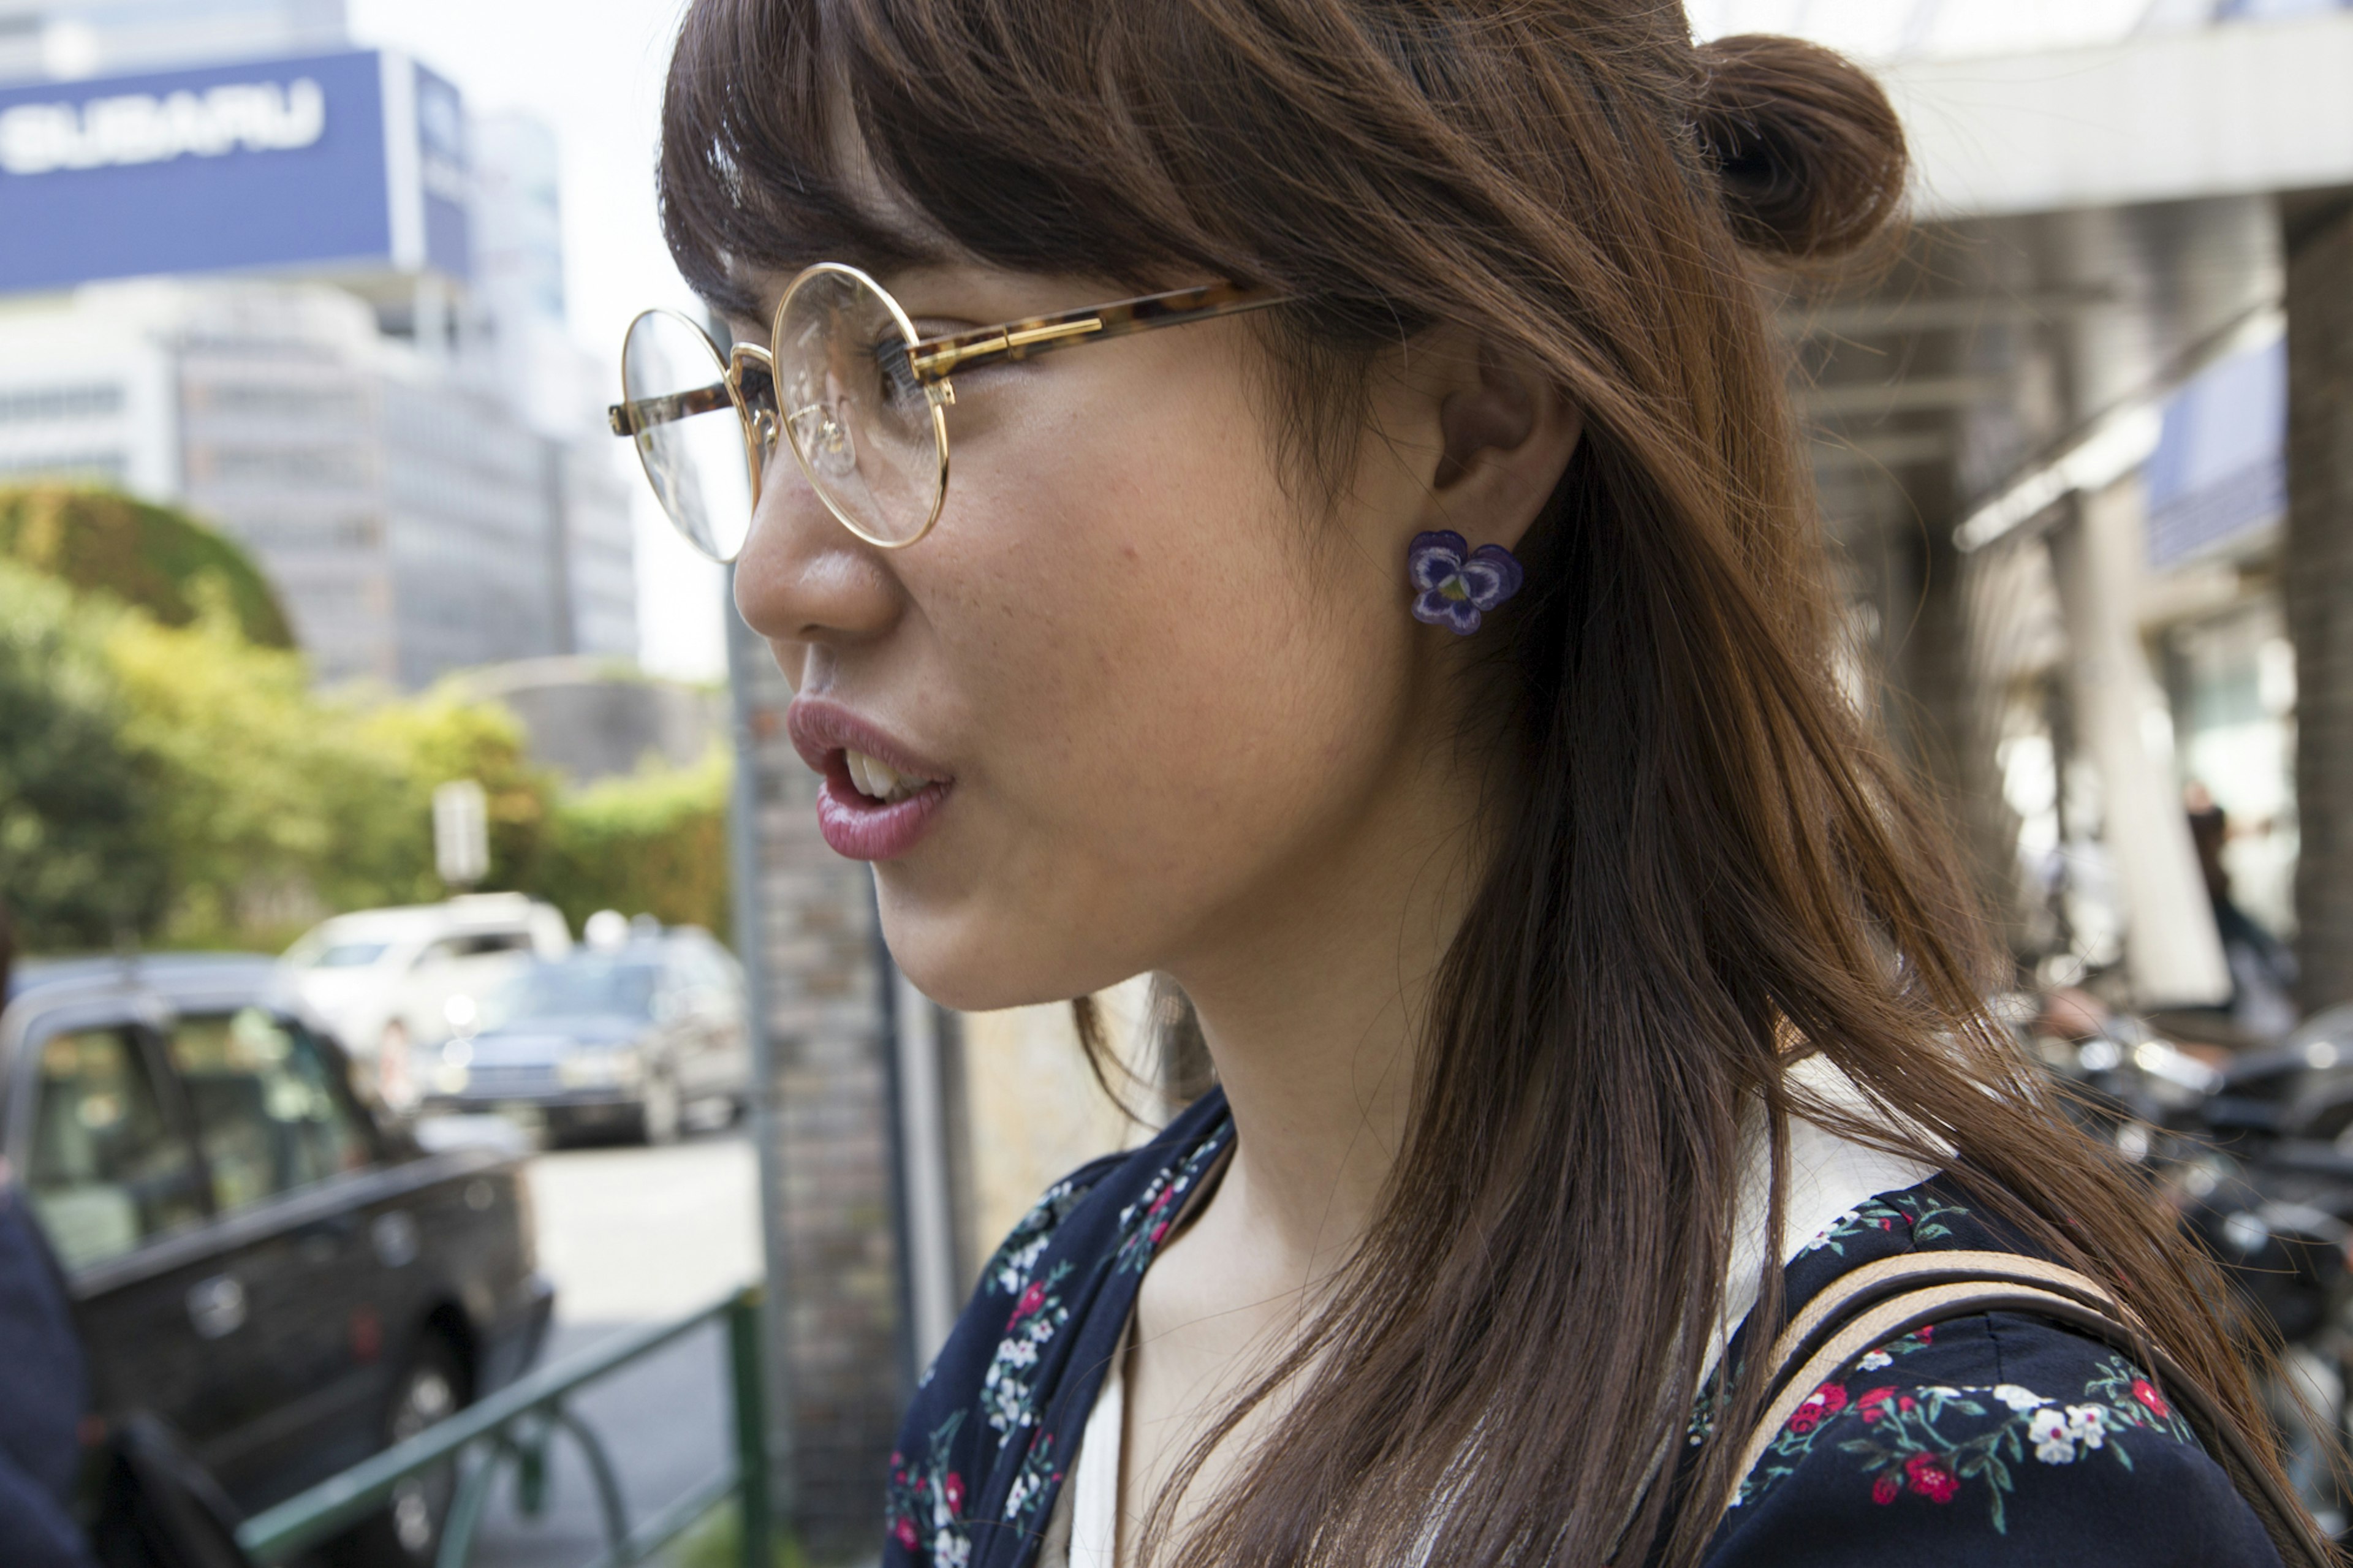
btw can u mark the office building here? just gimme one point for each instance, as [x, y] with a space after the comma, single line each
[301, 293]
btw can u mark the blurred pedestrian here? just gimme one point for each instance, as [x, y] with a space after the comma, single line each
[2262, 968]
[43, 1390]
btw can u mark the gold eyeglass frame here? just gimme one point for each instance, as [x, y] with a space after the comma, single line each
[748, 382]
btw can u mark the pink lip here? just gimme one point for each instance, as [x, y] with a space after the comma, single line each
[855, 827]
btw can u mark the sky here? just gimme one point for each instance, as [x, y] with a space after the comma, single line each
[593, 71]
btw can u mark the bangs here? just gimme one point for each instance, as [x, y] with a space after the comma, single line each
[887, 133]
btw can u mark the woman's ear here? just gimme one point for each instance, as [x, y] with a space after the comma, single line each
[1508, 435]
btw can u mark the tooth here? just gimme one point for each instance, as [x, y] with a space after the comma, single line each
[885, 777]
[858, 772]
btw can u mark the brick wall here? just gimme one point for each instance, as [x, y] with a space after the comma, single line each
[837, 1377]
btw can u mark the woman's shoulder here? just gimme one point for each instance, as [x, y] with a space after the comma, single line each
[1997, 1438]
[2000, 1437]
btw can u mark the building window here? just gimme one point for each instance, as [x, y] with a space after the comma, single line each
[44, 405]
[109, 467]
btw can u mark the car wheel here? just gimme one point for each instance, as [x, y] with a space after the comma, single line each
[660, 1112]
[408, 1533]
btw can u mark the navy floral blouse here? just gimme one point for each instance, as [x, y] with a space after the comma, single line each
[1993, 1439]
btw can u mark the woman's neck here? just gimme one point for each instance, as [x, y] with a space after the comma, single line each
[1312, 1002]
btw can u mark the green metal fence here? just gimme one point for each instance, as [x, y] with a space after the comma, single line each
[513, 1429]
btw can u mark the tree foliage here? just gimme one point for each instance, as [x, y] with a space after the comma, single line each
[163, 561]
[80, 857]
[276, 804]
[182, 785]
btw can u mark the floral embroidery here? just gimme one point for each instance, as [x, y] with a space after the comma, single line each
[1916, 1210]
[980, 1448]
[1916, 1441]
[1009, 1267]
[923, 1508]
[1710, 1404]
[1824, 1402]
[1009, 1395]
[1144, 1223]
[1034, 1483]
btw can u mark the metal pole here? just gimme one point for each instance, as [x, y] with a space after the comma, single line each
[752, 948]
[930, 1224]
[895, 1134]
[922, 1206]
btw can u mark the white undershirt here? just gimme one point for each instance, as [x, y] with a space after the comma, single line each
[1828, 1176]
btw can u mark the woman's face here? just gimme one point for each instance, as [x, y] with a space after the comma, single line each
[1160, 690]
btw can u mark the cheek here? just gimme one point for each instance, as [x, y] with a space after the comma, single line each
[1170, 685]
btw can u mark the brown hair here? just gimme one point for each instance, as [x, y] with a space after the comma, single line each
[1705, 853]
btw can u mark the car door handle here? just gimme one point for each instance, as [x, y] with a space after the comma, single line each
[216, 1306]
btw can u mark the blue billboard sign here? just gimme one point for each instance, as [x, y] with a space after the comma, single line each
[441, 174]
[351, 161]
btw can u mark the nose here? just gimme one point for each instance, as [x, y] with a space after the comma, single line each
[804, 579]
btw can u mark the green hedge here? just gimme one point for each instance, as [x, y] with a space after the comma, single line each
[655, 843]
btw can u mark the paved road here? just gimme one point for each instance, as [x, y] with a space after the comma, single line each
[634, 1235]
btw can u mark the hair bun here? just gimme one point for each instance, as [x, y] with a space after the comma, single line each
[1808, 150]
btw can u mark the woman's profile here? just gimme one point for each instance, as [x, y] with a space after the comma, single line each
[1299, 498]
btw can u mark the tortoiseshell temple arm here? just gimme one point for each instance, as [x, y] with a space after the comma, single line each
[628, 418]
[748, 367]
[936, 359]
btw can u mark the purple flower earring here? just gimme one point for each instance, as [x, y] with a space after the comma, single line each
[1459, 583]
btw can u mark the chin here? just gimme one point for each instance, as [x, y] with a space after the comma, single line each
[979, 959]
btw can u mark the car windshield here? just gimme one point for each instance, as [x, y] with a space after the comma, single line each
[578, 986]
[346, 955]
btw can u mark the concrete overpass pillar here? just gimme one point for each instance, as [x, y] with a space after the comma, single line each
[1947, 716]
[2172, 954]
[2317, 573]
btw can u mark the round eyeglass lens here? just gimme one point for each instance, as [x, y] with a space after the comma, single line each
[690, 437]
[873, 446]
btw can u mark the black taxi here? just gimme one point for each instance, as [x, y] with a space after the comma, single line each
[257, 1258]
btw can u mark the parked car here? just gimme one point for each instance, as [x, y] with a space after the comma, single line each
[624, 1040]
[283, 1280]
[386, 979]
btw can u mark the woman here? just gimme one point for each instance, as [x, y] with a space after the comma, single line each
[1421, 658]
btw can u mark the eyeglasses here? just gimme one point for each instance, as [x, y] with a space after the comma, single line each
[860, 398]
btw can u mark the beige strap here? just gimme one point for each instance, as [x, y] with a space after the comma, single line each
[1860, 1288]
[1895, 1296]
[1892, 1317]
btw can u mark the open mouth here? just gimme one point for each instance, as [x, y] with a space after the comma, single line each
[871, 808]
[862, 780]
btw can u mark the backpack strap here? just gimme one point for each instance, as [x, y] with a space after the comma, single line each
[1895, 1296]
